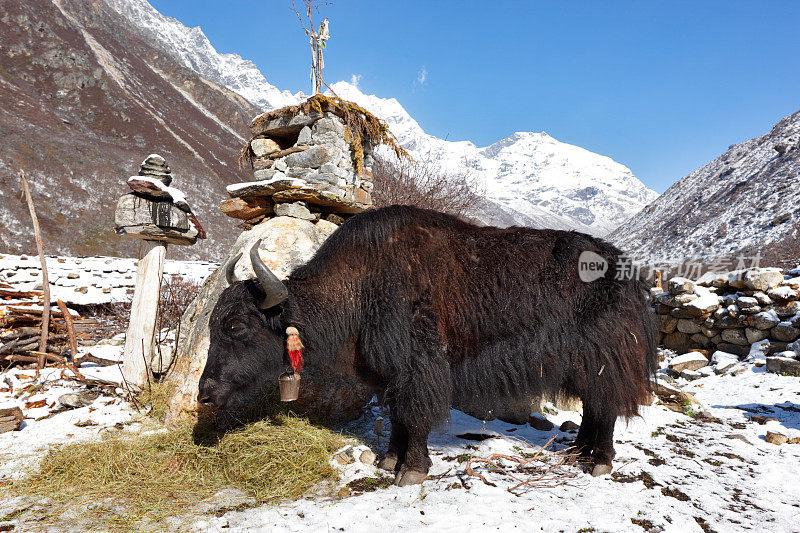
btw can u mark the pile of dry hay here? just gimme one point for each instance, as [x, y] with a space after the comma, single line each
[154, 475]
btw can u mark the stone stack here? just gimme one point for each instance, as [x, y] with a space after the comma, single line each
[304, 167]
[155, 211]
[156, 167]
[748, 313]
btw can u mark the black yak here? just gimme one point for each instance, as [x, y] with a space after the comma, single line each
[431, 310]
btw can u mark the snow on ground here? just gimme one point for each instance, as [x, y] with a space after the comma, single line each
[37, 394]
[673, 472]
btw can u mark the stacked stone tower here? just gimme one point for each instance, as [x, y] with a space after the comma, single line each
[305, 166]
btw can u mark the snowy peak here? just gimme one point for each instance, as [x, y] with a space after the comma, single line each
[192, 48]
[528, 174]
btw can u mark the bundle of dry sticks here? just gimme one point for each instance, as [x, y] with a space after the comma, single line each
[21, 317]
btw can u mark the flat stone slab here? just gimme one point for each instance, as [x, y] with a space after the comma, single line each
[265, 188]
[282, 126]
[328, 200]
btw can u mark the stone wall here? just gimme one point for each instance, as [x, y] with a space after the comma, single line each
[751, 314]
[91, 280]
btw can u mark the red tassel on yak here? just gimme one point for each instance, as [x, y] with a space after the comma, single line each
[295, 348]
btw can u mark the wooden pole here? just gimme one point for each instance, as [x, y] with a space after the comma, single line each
[45, 279]
[140, 339]
[73, 340]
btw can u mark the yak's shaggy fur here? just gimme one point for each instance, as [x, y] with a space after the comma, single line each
[441, 311]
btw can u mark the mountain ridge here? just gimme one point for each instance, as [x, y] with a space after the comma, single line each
[744, 202]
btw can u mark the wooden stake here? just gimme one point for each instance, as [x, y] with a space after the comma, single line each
[45, 280]
[73, 341]
[140, 339]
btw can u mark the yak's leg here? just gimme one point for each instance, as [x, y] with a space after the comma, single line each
[584, 442]
[603, 446]
[414, 469]
[398, 444]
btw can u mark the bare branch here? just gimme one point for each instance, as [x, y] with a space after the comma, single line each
[426, 183]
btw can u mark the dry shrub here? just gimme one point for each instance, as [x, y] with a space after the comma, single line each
[147, 477]
[176, 295]
[426, 183]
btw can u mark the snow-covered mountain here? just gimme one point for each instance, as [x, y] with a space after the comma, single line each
[530, 178]
[192, 48]
[746, 201]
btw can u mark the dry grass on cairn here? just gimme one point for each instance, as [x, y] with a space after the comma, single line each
[361, 127]
[147, 477]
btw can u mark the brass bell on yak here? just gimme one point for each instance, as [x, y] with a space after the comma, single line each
[290, 387]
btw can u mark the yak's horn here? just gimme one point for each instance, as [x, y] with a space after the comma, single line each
[276, 291]
[230, 267]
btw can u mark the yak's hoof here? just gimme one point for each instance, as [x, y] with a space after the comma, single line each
[409, 477]
[600, 470]
[389, 462]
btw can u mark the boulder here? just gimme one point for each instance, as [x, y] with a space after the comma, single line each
[698, 339]
[704, 304]
[245, 208]
[755, 334]
[540, 423]
[329, 200]
[677, 341]
[11, 419]
[688, 361]
[675, 300]
[783, 293]
[759, 350]
[281, 127]
[263, 147]
[689, 326]
[783, 365]
[762, 279]
[314, 157]
[304, 137]
[286, 243]
[787, 310]
[748, 304]
[295, 209]
[763, 320]
[680, 285]
[762, 298]
[723, 361]
[735, 336]
[667, 324]
[159, 221]
[738, 349]
[785, 332]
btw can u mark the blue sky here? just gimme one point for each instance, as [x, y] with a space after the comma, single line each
[662, 87]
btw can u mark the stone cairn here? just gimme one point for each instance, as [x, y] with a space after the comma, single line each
[155, 211]
[724, 317]
[158, 214]
[304, 167]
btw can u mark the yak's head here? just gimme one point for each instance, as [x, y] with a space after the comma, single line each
[247, 352]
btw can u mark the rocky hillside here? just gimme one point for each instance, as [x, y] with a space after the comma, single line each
[84, 97]
[746, 201]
